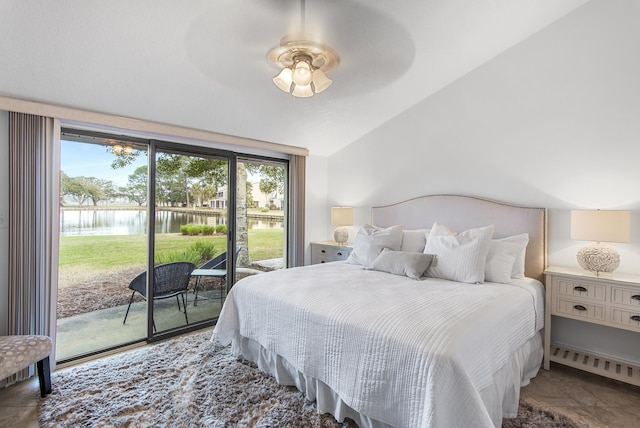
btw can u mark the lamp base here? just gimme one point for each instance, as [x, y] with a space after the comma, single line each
[341, 235]
[598, 258]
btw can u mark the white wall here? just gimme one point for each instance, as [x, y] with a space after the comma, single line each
[4, 207]
[553, 122]
[317, 213]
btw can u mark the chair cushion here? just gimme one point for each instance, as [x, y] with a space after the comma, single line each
[19, 352]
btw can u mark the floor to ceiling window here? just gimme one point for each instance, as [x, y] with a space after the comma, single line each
[217, 217]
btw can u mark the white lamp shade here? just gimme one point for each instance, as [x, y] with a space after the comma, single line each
[601, 225]
[341, 216]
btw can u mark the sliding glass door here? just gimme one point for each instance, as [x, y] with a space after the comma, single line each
[216, 217]
[190, 238]
[261, 204]
[103, 243]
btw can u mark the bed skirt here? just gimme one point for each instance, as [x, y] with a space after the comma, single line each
[500, 398]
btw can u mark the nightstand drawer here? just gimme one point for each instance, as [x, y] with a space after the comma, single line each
[325, 253]
[582, 289]
[626, 296]
[579, 309]
[627, 318]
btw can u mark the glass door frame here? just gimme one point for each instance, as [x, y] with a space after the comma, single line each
[187, 150]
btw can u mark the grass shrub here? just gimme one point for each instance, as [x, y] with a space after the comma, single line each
[197, 253]
[208, 230]
[197, 229]
[206, 249]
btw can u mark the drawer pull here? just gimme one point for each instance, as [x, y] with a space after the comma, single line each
[635, 318]
[322, 261]
[579, 308]
[636, 297]
[323, 251]
[339, 253]
[579, 288]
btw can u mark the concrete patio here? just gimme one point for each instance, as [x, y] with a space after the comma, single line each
[102, 329]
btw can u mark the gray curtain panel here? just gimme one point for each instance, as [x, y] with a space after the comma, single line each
[33, 227]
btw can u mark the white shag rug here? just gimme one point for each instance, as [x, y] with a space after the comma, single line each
[189, 382]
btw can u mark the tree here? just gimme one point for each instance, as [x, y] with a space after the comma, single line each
[81, 189]
[242, 237]
[250, 201]
[73, 188]
[136, 189]
[267, 187]
[98, 189]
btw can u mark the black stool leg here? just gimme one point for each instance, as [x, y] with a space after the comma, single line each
[44, 376]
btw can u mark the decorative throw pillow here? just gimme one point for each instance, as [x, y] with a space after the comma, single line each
[414, 240]
[461, 257]
[370, 241]
[502, 257]
[405, 263]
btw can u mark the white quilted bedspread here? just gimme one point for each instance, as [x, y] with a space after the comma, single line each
[409, 353]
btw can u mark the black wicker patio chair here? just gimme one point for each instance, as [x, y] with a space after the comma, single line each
[170, 279]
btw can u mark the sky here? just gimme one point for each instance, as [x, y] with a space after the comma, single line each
[93, 160]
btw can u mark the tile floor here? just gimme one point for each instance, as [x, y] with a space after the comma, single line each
[590, 399]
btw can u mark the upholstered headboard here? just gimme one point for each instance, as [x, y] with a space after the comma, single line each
[465, 212]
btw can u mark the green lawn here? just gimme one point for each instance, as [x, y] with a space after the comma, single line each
[105, 252]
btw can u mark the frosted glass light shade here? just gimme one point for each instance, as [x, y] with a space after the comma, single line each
[302, 73]
[284, 79]
[302, 91]
[320, 81]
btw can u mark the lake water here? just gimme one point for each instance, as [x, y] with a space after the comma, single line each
[134, 222]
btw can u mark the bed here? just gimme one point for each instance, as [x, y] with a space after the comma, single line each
[388, 349]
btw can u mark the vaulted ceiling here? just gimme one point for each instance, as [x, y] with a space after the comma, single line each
[203, 63]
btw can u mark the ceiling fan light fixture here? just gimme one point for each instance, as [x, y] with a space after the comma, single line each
[303, 63]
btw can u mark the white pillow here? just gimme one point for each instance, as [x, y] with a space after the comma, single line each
[414, 240]
[405, 263]
[461, 257]
[370, 240]
[522, 241]
[502, 257]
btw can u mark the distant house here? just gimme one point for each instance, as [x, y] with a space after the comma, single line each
[274, 200]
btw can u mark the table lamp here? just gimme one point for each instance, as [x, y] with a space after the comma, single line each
[341, 217]
[600, 227]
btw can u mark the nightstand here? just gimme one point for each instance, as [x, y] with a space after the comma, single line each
[329, 251]
[611, 300]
